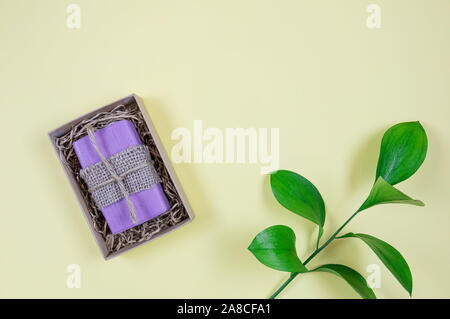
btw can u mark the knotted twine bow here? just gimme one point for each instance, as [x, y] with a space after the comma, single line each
[114, 176]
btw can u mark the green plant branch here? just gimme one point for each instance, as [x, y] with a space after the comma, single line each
[314, 254]
[403, 150]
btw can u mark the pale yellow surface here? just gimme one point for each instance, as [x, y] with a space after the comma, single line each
[310, 68]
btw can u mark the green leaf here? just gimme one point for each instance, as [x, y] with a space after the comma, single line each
[403, 150]
[298, 195]
[352, 277]
[390, 257]
[319, 235]
[384, 193]
[275, 248]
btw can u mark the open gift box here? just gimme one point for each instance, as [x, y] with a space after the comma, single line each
[71, 141]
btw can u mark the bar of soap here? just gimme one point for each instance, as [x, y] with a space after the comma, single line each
[113, 139]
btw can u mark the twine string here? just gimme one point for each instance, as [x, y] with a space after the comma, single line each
[122, 176]
[115, 177]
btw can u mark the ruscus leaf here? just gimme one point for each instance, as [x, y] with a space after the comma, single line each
[352, 277]
[390, 257]
[384, 193]
[319, 235]
[275, 248]
[297, 194]
[403, 150]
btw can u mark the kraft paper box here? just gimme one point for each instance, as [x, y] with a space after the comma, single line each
[132, 109]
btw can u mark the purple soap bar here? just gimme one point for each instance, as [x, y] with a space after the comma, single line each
[113, 139]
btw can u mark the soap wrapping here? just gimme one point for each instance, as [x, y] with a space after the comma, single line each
[133, 165]
[120, 144]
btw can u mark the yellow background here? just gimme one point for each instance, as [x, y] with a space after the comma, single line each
[310, 68]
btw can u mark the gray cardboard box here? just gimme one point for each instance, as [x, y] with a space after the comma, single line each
[133, 98]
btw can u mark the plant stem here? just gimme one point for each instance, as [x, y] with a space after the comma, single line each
[318, 250]
[291, 277]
